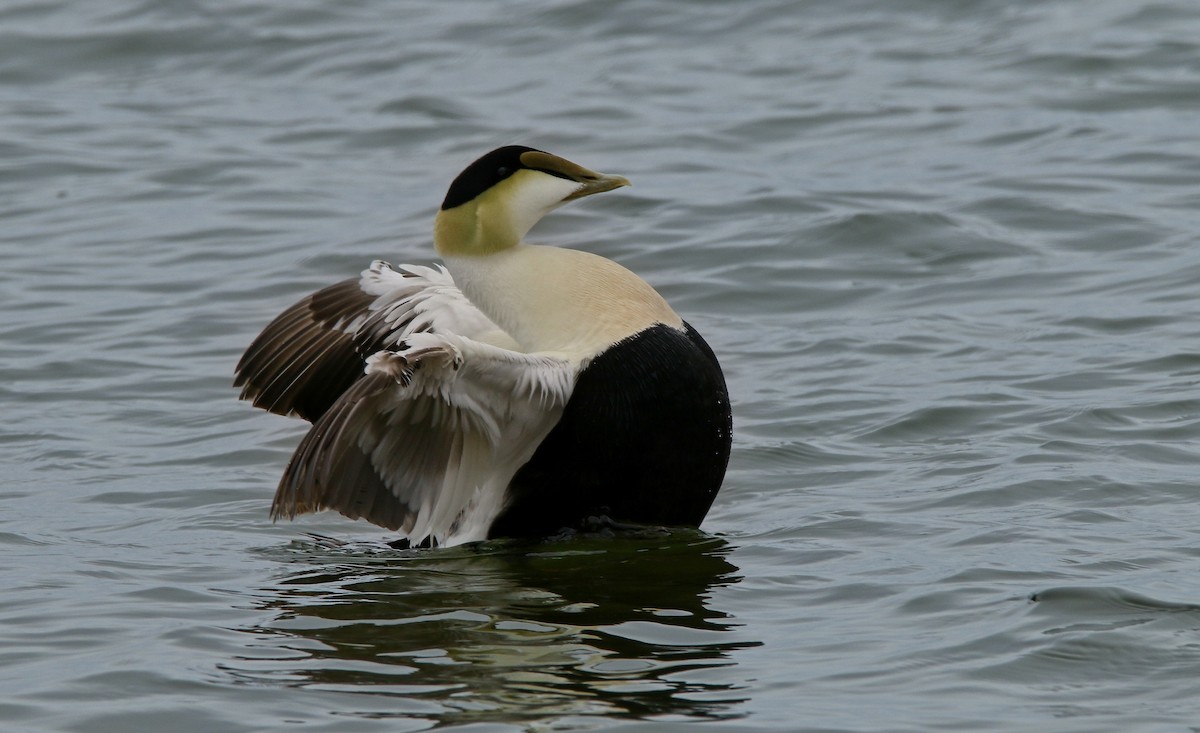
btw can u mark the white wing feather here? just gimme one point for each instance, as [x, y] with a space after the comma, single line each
[315, 350]
[428, 440]
[414, 298]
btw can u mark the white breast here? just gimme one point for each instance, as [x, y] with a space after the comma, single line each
[560, 300]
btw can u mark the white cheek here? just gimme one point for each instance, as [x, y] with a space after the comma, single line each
[534, 195]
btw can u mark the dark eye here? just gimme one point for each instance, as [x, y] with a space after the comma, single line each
[501, 172]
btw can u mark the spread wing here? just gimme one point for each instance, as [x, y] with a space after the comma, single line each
[428, 439]
[305, 359]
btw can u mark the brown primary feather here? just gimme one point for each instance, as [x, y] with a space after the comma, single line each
[306, 358]
[335, 473]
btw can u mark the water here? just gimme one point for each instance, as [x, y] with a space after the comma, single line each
[946, 251]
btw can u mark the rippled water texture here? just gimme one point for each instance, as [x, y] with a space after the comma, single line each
[947, 251]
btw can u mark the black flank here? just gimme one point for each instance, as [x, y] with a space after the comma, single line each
[644, 439]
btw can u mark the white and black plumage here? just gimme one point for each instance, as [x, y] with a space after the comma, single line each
[538, 388]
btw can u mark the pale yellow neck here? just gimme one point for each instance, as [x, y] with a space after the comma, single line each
[498, 218]
[471, 229]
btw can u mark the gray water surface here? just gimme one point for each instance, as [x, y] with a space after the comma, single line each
[948, 253]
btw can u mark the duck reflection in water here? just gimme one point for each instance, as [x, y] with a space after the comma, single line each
[512, 631]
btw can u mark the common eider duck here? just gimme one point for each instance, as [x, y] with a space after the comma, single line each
[516, 391]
